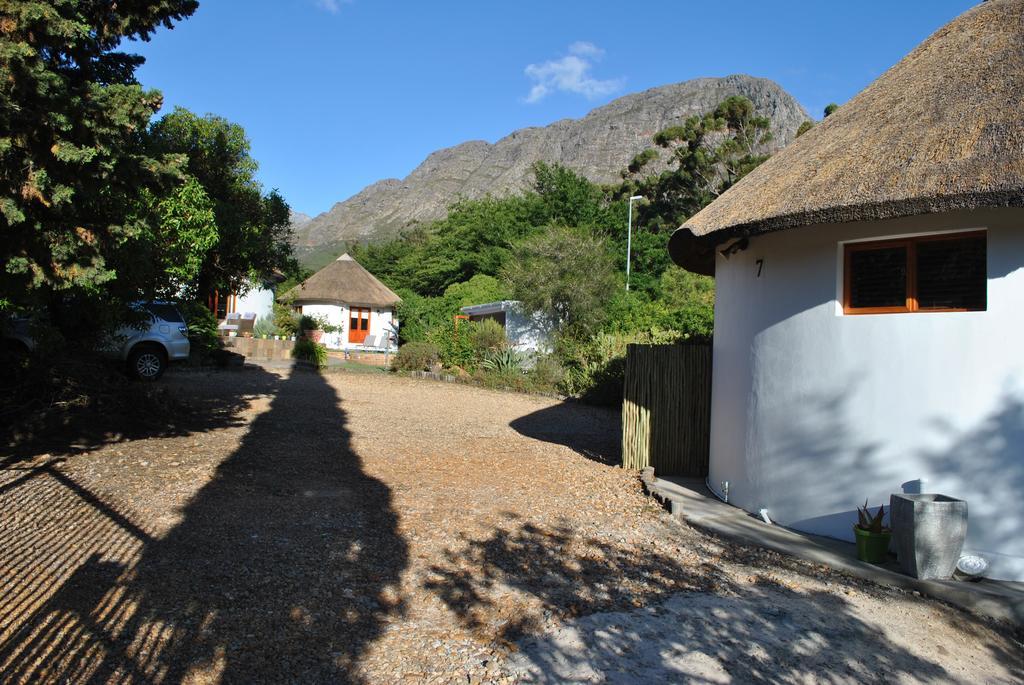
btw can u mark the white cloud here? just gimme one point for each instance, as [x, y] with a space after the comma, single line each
[332, 6]
[571, 74]
[585, 49]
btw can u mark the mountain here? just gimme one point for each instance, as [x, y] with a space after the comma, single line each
[598, 146]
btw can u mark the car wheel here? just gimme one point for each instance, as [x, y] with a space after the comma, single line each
[147, 363]
[15, 348]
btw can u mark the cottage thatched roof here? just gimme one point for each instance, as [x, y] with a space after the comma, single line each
[343, 281]
[942, 130]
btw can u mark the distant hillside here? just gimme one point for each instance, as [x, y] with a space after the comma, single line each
[598, 146]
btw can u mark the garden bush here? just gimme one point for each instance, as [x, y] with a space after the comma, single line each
[487, 336]
[416, 356]
[202, 326]
[317, 322]
[285, 321]
[263, 327]
[546, 374]
[504, 361]
[454, 345]
[307, 350]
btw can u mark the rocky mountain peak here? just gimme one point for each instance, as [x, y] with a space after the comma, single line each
[598, 145]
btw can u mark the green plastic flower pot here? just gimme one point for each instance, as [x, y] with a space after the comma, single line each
[872, 547]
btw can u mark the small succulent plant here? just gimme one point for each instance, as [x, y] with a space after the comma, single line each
[872, 523]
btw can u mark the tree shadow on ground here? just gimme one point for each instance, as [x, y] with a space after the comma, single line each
[757, 631]
[284, 568]
[111, 409]
[594, 432]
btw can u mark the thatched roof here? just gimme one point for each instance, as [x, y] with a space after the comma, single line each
[343, 281]
[940, 131]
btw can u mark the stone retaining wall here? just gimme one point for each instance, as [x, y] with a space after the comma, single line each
[258, 349]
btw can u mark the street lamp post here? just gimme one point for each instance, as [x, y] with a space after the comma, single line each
[629, 235]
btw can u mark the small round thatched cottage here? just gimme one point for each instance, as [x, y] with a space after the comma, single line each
[869, 304]
[352, 299]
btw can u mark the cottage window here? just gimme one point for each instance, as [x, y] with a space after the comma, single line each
[936, 273]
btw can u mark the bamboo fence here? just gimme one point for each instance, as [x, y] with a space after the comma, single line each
[666, 410]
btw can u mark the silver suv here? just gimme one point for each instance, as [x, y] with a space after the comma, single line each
[146, 350]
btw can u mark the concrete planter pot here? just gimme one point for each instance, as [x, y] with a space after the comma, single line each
[872, 547]
[929, 532]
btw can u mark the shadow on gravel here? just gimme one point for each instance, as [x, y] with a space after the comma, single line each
[594, 432]
[113, 409]
[684, 614]
[284, 568]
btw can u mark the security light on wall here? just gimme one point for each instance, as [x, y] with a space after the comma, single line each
[733, 248]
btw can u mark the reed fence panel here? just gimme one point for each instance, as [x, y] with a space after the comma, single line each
[666, 410]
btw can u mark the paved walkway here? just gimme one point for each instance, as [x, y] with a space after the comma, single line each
[691, 499]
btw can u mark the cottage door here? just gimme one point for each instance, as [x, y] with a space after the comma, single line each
[358, 324]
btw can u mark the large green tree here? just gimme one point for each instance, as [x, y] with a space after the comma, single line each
[707, 156]
[73, 158]
[253, 226]
[478, 236]
[567, 274]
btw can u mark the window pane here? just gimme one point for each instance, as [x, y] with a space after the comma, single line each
[878, 277]
[167, 312]
[951, 274]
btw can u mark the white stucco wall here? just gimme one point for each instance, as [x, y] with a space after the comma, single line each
[259, 300]
[338, 315]
[527, 333]
[523, 331]
[814, 411]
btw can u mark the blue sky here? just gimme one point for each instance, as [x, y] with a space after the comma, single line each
[336, 94]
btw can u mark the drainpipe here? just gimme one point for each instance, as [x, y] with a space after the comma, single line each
[725, 489]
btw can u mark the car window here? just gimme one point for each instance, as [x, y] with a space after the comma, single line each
[167, 312]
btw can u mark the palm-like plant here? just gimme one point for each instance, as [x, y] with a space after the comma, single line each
[873, 524]
[506, 360]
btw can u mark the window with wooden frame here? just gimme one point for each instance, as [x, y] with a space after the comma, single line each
[934, 273]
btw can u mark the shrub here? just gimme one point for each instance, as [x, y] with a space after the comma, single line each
[546, 374]
[504, 361]
[263, 327]
[285, 321]
[202, 326]
[487, 336]
[419, 315]
[595, 369]
[453, 345]
[307, 350]
[315, 323]
[415, 356]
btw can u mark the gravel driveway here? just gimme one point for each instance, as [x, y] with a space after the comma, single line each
[369, 528]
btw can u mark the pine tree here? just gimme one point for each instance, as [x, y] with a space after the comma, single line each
[73, 162]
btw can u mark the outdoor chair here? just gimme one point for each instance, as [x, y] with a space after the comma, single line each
[246, 324]
[372, 342]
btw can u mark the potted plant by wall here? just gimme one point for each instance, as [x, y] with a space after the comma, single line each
[872, 535]
[312, 327]
[930, 533]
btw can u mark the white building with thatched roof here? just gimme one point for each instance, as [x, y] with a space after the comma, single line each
[869, 309]
[352, 299]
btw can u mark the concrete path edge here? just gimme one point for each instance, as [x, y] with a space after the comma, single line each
[691, 501]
